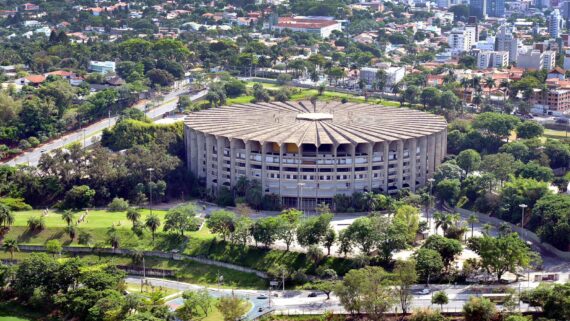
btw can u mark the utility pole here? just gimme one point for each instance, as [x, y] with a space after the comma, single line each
[522, 206]
[430, 180]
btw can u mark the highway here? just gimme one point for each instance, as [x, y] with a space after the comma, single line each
[87, 135]
[299, 302]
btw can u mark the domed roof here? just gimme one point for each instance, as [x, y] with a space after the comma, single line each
[299, 122]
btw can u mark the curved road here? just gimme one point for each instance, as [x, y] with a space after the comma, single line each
[85, 136]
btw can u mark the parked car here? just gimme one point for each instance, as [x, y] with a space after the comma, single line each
[425, 291]
[262, 297]
[313, 294]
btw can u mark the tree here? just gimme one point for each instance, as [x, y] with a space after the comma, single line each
[472, 220]
[133, 215]
[440, 298]
[406, 276]
[313, 230]
[265, 230]
[411, 94]
[479, 309]
[325, 286]
[36, 224]
[231, 307]
[408, 217]
[78, 197]
[501, 165]
[160, 77]
[10, 245]
[430, 96]
[535, 171]
[469, 160]
[366, 290]
[520, 191]
[329, 240]
[505, 253]
[71, 230]
[152, 223]
[6, 216]
[181, 220]
[529, 129]
[500, 125]
[118, 204]
[221, 222]
[550, 218]
[447, 248]
[195, 304]
[68, 217]
[53, 247]
[553, 299]
[361, 233]
[429, 263]
[260, 94]
[558, 153]
[448, 190]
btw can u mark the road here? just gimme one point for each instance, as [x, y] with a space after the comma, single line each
[91, 133]
[299, 302]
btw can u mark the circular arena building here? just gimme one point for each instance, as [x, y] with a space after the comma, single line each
[309, 153]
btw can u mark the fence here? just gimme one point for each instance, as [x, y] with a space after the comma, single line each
[164, 255]
[524, 233]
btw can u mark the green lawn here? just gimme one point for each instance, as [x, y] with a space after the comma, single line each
[551, 133]
[12, 319]
[97, 224]
[148, 290]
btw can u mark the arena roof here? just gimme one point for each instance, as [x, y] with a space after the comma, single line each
[299, 122]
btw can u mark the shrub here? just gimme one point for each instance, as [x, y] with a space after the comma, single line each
[118, 204]
[78, 197]
[33, 141]
[15, 204]
[85, 238]
[24, 144]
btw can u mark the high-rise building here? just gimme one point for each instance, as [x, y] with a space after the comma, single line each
[531, 59]
[492, 59]
[478, 8]
[507, 41]
[461, 39]
[496, 8]
[555, 23]
[443, 4]
[549, 60]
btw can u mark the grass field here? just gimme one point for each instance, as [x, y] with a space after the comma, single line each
[96, 223]
[551, 133]
[148, 290]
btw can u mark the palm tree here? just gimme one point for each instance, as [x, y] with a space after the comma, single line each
[11, 246]
[472, 220]
[490, 83]
[465, 83]
[114, 241]
[445, 220]
[133, 215]
[68, 217]
[36, 223]
[506, 86]
[153, 223]
[476, 82]
[71, 230]
[487, 228]
[477, 99]
[6, 216]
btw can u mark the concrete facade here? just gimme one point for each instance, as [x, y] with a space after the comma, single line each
[332, 155]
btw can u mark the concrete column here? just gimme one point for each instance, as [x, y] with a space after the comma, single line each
[400, 166]
[281, 152]
[335, 172]
[209, 148]
[438, 144]
[431, 154]
[221, 171]
[247, 159]
[412, 149]
[370, 156]
[233, 178]
[194, 151]
[200, 140]
[423, 160]
[263, 171]
[386, 164]
[352, 171]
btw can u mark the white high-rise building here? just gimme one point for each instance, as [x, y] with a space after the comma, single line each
[461, 40]
[549, 60]
[531, 59]
[566, 65]
[555, 24]
[492, 59]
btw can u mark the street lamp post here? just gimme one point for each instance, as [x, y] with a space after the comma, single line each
[430, 180]
[150, 170]
[84, 146]
[522, 206]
